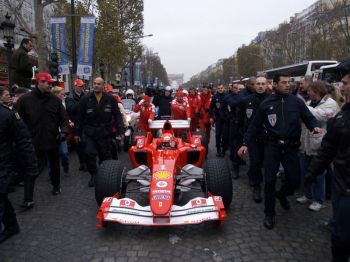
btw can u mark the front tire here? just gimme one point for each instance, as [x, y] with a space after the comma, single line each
[108, 180]
[218, 179]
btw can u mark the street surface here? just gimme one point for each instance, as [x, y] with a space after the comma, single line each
[62, 228]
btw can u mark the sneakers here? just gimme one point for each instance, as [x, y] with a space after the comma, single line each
[9, 232]
[303, 200]
[56, 190]
[315, 206]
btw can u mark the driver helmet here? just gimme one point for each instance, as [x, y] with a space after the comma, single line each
[168, 88]
[129, 92]
[167, 140]
[185, 92]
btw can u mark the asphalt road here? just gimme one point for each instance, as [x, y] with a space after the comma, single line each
[62, 228]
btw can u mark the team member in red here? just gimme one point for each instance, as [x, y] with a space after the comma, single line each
[195, 106]
[147, 112]
[204, 120]
[180, 109]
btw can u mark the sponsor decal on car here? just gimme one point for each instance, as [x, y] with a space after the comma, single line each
[161, 197]
[107, 199]
[161, 184]
[162, 175]
[218, 198]
[161, 191]
[127, 203]
[198, 202]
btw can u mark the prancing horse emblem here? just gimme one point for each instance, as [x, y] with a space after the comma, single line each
[272, 119]
[249, 112]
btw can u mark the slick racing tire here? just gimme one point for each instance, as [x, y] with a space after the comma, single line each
[108, 180]
[204, 137]
[138, 134]
[218, 179]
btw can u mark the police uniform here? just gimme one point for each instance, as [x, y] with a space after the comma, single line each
[218, 111]
[256, 145]
[13, 131]
[335, 148]
[236, 125]
[95, 124]
[280, 114]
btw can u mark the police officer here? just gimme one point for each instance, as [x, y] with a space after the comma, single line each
[72, 107]
[218, 115]
[13, 134]
[280, 113]
[163, 102]
[236, 125]
[249, 88]
[335, 148]
[98, 112]
[256, 146]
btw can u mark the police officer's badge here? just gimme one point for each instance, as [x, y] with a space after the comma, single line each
[217, 105]
[272, 119]
[249, 112]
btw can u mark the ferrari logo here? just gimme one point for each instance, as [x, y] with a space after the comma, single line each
[160, 204]
[249, 113]
[272, 119]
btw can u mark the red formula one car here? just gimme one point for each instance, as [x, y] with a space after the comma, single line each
[165, 168]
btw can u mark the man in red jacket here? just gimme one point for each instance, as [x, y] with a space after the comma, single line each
[195, 107]
[147, 112]
[204, 120]
[180, 109]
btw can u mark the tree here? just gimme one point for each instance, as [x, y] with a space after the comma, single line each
[229, 71]
[249, 60]
[152, 67]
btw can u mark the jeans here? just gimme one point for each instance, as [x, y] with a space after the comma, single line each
[64, 155]
[317, 191]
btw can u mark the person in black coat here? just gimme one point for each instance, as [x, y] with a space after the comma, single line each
[98, 115]
[47, 121]
[20, 66]
[14, 136]
[335, 147]
[72, 107]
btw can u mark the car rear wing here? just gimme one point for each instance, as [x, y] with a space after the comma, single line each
[176, 124]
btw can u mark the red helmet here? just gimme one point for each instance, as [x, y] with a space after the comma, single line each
[168, 140]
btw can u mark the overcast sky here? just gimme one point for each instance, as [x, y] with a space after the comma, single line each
[190, 35]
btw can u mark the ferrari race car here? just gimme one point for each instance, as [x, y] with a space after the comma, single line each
[165, 168]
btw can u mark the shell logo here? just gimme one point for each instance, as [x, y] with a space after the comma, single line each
[162, 175]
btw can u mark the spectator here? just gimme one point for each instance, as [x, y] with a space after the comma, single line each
[5, 97]
[322, 106]
[59, 92]
[304, 85]
[72, 106]
[20, 66]
[44, 115]
[147, 113]
[13, 134]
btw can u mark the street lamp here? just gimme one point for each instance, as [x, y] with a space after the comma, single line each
[8, 32]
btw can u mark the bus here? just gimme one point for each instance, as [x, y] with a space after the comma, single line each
[329, 74]
[296, 71]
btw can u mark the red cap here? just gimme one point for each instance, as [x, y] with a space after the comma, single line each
[78, 82]
[179, 94]
[44, 76]
[146, 98]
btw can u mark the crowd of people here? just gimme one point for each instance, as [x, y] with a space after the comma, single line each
[295, 128]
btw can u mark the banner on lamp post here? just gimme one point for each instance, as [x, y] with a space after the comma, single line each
[86, 45]
[138, 73]
[59, 43]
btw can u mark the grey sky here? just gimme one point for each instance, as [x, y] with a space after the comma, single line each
[189, 35]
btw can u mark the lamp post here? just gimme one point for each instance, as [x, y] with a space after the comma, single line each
[8, 30]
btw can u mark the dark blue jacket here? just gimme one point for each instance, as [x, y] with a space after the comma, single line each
[251, 104]
[218, 107]
[281, 115]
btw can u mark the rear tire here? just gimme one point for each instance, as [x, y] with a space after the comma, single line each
[218, 179]
[108, 180]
